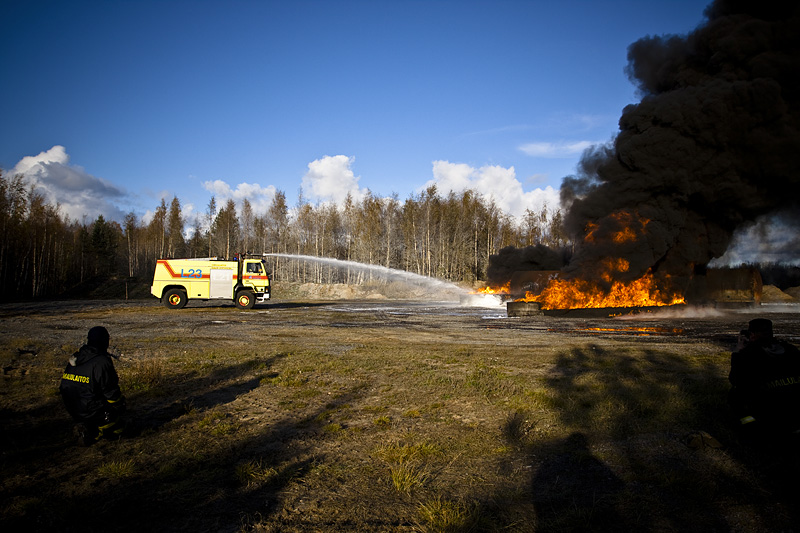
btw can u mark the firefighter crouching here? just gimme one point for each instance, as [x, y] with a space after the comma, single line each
[765, 393]
[90, 390]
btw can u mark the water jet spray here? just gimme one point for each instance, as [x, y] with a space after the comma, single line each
[465, 297]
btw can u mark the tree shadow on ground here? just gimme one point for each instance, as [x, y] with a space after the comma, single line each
[575, 486]
[225, 489]
[199, 392]
[219, 484]
[627, 466]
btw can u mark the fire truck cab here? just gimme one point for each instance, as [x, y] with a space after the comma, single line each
[243, 280]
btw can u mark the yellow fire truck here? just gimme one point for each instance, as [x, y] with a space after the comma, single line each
[244, 280]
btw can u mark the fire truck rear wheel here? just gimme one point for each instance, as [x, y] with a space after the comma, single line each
[245, 299]
[175, 299]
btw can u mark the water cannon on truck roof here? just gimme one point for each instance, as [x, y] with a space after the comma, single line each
[244, 280]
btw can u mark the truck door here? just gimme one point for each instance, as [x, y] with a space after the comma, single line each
[221, 283]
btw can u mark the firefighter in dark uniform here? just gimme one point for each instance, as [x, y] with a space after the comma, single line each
[90, 390]
[765, 392]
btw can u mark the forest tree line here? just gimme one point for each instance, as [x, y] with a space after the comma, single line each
[43, 253]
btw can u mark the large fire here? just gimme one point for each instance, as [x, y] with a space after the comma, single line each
[579, 294]
[607, 290]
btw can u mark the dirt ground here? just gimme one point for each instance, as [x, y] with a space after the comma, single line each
[387, 415]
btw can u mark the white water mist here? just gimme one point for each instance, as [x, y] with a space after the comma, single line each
[433, 285]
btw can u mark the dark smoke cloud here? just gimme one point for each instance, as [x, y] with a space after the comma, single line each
[713, 145]
[510, 259]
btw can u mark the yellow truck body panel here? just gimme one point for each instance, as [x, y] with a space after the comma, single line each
[177, 280]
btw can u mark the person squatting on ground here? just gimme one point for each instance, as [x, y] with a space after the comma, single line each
[90, 390]
[765, 393]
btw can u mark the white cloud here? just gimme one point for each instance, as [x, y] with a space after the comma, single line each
[259, 197]
[330, 179]
[556, 150]
[28, 164]
[78, 193]
[218, 188]
[495, 182]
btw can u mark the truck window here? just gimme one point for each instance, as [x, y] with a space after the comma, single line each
[254, 268]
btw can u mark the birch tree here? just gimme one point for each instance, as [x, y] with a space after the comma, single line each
[175, 222]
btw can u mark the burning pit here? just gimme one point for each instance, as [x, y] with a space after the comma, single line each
[523, 309]
[540, 293]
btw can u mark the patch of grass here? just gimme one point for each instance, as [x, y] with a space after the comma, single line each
[330, 410]
[518, 427]
[216, 422]
[290, 378]
[268, 378]
[145, 375]
[225, 428]
[397, 452]
[383, 422]
[439, 381]
[255, 472]
[21, 506]
[22, 344]
[406, 476]
[210, 418]
[293, 404]
[117, 469]
[491, 382]
[308, 392]
[440, 515]
[539, 398]
[407, 463]
[167, 339]
[333, 428]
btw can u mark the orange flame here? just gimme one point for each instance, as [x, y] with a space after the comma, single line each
[580, 293]
[633, 225]
[505, 289]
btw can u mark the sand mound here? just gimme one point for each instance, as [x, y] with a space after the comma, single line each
[773, 294]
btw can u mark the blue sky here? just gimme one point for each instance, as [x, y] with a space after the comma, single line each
[108, 106]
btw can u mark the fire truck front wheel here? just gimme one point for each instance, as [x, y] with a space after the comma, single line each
[245, 299]
[174, 299]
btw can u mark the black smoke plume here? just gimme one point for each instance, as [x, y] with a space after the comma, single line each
[510, 259]
[713, 145]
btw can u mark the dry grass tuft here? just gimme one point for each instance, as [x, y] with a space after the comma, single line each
[117, 469]
[383, 422]
[145, 375]
[441, 515]
[255, 473]
[407, 476]
[518, 428]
